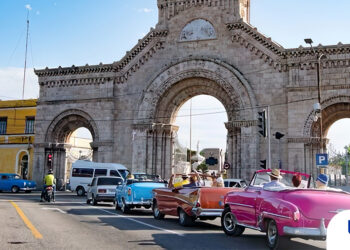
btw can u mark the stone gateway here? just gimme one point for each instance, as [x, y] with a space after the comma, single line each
[197, 47]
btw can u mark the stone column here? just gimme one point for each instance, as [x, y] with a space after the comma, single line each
[141, 148]
[102, 151]
[242, 148]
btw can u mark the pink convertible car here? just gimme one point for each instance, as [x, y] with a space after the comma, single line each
[292, 212]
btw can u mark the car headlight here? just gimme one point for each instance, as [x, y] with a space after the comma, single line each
[24, 183]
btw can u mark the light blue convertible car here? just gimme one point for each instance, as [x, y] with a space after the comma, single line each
[14, 183]
[137, 192]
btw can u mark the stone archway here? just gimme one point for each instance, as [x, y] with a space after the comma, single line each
[333, 109]
[154, 129]
[57, 135]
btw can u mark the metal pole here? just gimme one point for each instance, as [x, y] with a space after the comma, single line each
[191, 133]
[269, 136]
[346, 167]
[319, 99]
[25, 57]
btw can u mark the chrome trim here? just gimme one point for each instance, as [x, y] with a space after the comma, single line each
[142, 203]
[248, 226]
[28, 188]
[277, 215]
[239, 204]
[307, 231]
[337, 211]
[199, 212]
[174, 197]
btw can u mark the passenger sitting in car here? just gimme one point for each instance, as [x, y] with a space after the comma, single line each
[194, 181]
[275, 177]
[296, 180]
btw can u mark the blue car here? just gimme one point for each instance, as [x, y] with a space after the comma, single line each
[14, 183]
[136, 192]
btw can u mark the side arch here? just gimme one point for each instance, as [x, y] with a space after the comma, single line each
[68, 121]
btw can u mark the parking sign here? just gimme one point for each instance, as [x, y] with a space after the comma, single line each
[321, 159]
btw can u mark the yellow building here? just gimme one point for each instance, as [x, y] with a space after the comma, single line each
[17, 120]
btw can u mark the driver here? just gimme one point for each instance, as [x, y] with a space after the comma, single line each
[275, 176]
[49, 180]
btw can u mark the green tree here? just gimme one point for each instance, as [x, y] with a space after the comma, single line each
[203, 168]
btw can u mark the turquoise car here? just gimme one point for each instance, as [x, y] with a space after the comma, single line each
[137, 192]
[13, 183]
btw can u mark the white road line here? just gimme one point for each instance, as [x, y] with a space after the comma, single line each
[54, 208]
[140, 222]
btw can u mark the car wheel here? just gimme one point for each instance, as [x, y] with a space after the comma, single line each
[156, 213]
[184, 219]
[272, 237]
[229, 223]
[88, 201]
[15, 189]
[93, 200]
[80, 191]
[147, 206]
[125, 208]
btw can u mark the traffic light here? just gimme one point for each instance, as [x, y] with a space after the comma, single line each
[262, 123]
[263, 164]
[49, 160]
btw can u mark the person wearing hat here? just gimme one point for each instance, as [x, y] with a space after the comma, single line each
[49, 180]
[322, 182]
[179, 184]
[275, 177]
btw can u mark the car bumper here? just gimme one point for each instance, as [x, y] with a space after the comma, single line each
[105, 197]
[200, 212]
[306, 232]
[139, 203]
[28, 188]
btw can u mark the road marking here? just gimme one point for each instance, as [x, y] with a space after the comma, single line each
[54, 208]
[35, 232]
[140, 222]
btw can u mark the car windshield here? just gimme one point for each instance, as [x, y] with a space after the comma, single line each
[147, 177]
[17, 177]
[109, 181]
[288, 180]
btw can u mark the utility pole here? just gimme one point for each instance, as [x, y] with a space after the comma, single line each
[25, 57]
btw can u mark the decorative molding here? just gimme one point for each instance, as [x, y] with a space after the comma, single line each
[171, 8]
[286, 58]
[315, 88]
[307, 140]
[325, 104]
[106, 68]
[241, 124]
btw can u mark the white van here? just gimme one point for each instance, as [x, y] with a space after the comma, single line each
[82, 173]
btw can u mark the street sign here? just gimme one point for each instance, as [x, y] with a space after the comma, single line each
[321, 159]
[227, 165]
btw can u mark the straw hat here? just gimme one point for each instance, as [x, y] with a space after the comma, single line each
[275, 173]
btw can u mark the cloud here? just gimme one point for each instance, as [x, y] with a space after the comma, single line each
[145, 10]
[11, 82]
[28, 7]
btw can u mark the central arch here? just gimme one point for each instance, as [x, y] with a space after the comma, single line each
[165, 94]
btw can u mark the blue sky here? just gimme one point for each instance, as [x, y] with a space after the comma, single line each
[67, 32]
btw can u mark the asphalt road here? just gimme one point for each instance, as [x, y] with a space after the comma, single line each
[71, 224]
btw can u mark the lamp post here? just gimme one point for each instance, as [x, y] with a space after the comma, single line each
[317, 106]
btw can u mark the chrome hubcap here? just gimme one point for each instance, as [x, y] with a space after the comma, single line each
[272, 233]
[156, 211]
[182, 217]
[229, 222]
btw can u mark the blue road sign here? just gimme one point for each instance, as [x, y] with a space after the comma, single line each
[321, 159]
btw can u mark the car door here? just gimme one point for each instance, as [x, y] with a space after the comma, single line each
[5, 183]
[1, 182]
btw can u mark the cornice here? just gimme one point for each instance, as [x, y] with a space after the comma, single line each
[284, 59]
[103, 68]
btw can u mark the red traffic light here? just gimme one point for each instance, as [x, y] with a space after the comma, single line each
[49, 156]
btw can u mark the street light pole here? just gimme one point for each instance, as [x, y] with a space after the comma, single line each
[318, 63]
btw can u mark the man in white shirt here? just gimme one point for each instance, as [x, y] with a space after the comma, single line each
[275, 176]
